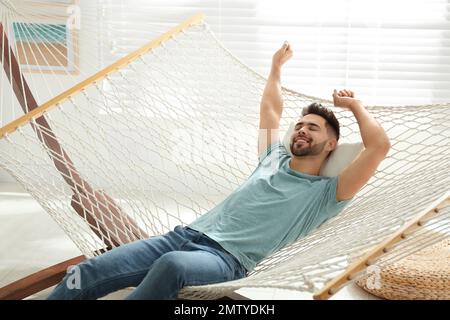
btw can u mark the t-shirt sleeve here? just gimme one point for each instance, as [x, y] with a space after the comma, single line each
[333, 206]
[271, 149]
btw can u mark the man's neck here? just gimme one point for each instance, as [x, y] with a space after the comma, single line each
[308, 164]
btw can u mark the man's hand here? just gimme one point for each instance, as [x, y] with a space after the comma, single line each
[282, 55]
[376, 147]
[345, 99]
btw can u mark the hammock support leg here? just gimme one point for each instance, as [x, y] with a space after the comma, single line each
[90, 204]
[38, 281]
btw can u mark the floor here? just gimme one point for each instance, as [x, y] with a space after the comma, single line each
[31, 241]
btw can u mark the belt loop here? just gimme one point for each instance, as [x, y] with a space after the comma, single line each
[200, 235]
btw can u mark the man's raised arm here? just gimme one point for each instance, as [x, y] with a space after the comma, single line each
[272, 102]
[376, 143]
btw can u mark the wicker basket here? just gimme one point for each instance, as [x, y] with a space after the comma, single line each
[422, 275]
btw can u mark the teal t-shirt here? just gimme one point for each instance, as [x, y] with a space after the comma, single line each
[274, 207]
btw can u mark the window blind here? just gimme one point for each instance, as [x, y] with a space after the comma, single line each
[388, 52]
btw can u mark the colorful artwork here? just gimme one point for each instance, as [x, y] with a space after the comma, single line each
[46, 47]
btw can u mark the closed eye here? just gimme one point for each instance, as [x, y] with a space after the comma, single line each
[311, 126]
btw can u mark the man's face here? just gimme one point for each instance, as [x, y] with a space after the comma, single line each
[310, 136]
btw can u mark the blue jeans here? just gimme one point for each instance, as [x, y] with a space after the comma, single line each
[158, 267]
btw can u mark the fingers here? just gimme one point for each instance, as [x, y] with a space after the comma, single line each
[282, 55]
[286, 46]
[344, 93]
[349, 93]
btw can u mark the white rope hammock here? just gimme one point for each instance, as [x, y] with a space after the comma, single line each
[167, 132]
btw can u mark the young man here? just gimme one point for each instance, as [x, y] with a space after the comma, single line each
[283, 200]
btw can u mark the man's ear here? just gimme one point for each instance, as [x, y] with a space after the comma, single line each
[331, 144]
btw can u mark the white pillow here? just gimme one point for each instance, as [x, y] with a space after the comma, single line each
[339, 158]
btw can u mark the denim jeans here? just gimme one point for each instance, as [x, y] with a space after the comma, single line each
[158, 267]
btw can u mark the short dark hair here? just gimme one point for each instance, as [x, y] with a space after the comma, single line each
[324, 112]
